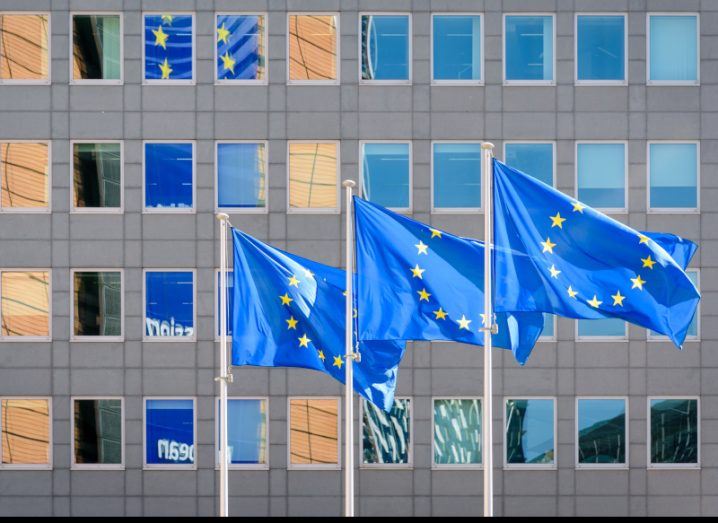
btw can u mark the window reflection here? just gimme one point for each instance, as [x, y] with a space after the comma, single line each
[386, 436]
[97, 304]
[314, 432]
[246, 431]
[601, 431]
[313, 175]
[241, 175]
[457, 48]
[602, 174]
[529, 48]
[457, 175]
[385, 47]
[457, 432]
[25, 431]
[96, 44]
[673, 175]
[674, 431]
[24, 175]
[25, 304]
[97, 169]
[169, 430]
[312, 47]
[386, 174]
[530, 432]
[240, 47]
[24, 47]
[98, 432]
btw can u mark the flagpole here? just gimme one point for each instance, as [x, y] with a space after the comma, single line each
[224, 376]
[349, 359]
[488, 328]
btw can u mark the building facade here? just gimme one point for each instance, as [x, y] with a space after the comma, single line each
[124, 127]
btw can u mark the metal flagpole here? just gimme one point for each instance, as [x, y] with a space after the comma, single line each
[488, 328]
[349, 369]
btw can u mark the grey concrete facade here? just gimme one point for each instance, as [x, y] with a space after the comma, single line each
[563, 369]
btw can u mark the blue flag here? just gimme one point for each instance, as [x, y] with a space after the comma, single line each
[418, 283]
[168, 47]
[289, 312]
[680, 249]
[557, 255]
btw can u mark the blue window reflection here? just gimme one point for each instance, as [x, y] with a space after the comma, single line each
[603, 328]
[169, 432]
[385, 174]
[168, 176]
[168, 47]
[601, 431]
[673, 48]
[529, 49]
[241, 176]
[457, 432]
[674, 431]
[602, 174]
[385, 47]
[600, 47]
[530, 432]
[457, 175]
[230, 301]
[457, 48]
[240, 47]
[386, 436]
[247, 431]
[549, 326]
[673, 175]
[169, 304]
[534, 159]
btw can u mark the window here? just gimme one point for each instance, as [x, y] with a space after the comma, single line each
[24, 177]
[230, 301]
[25, 309]
[385, 48]
[97, 48]
[456, 176]
[674, 433]
[242, 176]
[386, 437]
[169, 48]
[313, 177]
[457, 432]
[169, 305]
[605, 328]
[169, 177]
[673, 176]
[26, 430]
[386, 174]
[673, 49]
[170, 433]
[533, 158]
[601, 175]
[549, 327]
[601, 433]
[530, 433]
[25, 48]
[97, 305]
[457, 52]
[314, 433]
[313, 48]
[97, 177]
[601, 48]
[529, 49]
[693, 333]
[97, 433]
[248, 432]
[241, 48]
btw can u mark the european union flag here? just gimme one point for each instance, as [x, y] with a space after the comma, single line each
[680, 249]
[557, 255]
[239, 47]
[419, 283]
[289, 312]
[168, 47]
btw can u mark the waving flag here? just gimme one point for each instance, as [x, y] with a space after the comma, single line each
[168, 47]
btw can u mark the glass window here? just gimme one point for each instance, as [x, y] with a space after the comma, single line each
[247, 431]
[230, 302]
[673, 48]
[601, 431]
[169, 47]
[24, 47]
[97, 304]
[25, 310]
[97, 176]
[385, 47]
[601, 48]
[96, 47]
[314, 432]
[674, 432]
[24, 176]
[241, 48]
[313, 48]
[169, 176]
[530, 432]
[529, 54]
[673, 175]
[603, 328]
[26, 429]
[457, 432]
[97, 432]
[602, 174]
[169, 304]
[386, 437]
[457, 175]
[457, 48]
[534, 159]
[313, 176]
[169, 432]
[549, 326]
[241, 176]
[386, 169]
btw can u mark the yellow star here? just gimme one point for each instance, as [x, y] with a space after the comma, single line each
[440, 314]
[286, 300]
[435, 234]
[642, 238]
[572, 293]
[578, 207]
[166, 69]
[463, 323]
[321, 355]
[417, 272]
[618, 299]
[422, 247]
[557, 221]
[548, 246]
[423, 295]
[293, 281]
[167, 19]
[291, 323]
[228, 62]
[648, 262]
[338, 362]
[594, 302]
[304, 341]
[638, 282]
[160, 37]
[223, 34]
[554, 271]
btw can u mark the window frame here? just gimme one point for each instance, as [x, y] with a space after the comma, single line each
[432, 58]
[169, 210]
[97, 210]
[457, 466]
[535, 142]
[689, 339]
[338, 465]
[673, 466]
[338, 60]
[265, 33]
[626, 175]
[32, 210]
[410, 57]
[170, 339]
[627, 441]
[30, 339]
[392, 466]
[96, 466]
[684, 83]
[673, 210]
[316, 210]
[602, 338]
[48, 81]
[578, 82]
[410, 143]
[504, 54]
[242, 210]
[46, 466]
[71, 59]
[239, 466]
[97, 339]
[150, 466]
[525, 466]
[432, 187]
[179, 12]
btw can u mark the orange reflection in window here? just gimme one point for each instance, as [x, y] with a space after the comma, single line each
[24, 175]
[313, 175]
[25, 432]
[25, 304]
[314, 431]
[23, 47]
[312, 47]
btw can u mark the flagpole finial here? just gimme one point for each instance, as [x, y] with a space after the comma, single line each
[349, 183]
[222, 217]
[487, 145]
